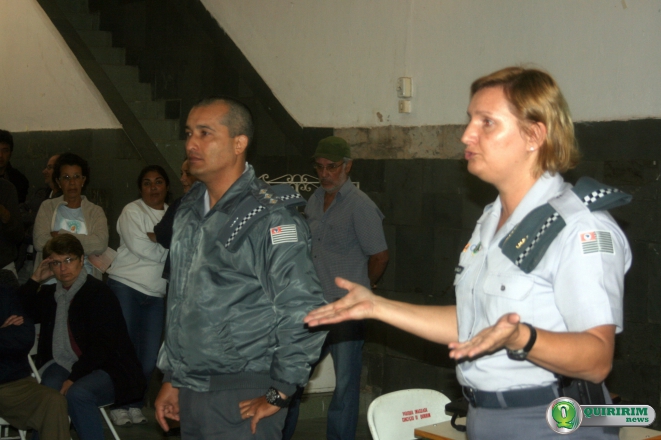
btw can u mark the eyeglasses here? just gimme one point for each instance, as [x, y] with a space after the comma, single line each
[67, 178]
[330, 167]
[67, 261]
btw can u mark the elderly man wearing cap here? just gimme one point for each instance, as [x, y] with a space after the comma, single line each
[348, 242]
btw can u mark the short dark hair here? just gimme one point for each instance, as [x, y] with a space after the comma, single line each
[71, 159]
[7, 138]
[64, 244]
[238, 119]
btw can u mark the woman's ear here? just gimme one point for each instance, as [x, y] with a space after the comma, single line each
[536, 135]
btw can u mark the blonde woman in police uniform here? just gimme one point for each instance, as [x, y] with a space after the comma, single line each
[517, 330]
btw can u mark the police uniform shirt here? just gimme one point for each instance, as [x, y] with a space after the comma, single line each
[577, 285]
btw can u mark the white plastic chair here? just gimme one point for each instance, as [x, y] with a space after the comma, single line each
[4, 431]
[394, 416]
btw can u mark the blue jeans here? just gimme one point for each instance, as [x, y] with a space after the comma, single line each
[144, 317]
[344, 342]
[83, 399]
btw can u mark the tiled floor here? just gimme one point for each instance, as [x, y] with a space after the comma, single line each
[307, 429]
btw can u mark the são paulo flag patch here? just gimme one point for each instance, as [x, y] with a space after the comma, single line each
[596, 241]
[284, 234]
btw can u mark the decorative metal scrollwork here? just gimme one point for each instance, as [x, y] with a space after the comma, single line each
[300, 182]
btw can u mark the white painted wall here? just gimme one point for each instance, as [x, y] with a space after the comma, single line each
[42, 85]
[334, 63]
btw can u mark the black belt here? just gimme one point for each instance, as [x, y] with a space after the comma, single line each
[525, 397]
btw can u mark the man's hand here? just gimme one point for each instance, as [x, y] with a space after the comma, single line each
[491, 339]
[5, 215]
[65, 387]
[13, 320]
[257, 409]
[167, 405]
[151, 236]
[355, 305]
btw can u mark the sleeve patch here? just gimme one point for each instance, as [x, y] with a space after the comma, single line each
[284, 234]
[596, 241]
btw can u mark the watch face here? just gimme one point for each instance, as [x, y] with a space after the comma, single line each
[517, 355]
[272, 396]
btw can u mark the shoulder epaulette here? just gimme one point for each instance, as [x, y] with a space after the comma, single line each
[264, 198]
[528, 241]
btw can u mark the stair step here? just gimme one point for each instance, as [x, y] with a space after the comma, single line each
[96, 38]
[83, 21]
[121, 74]
[159, 109]
[148, 109]
[135, 91]
[73, 5]
[109, 55]
[161, 128]
[173, 150]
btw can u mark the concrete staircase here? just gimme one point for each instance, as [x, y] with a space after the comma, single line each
[159, 118]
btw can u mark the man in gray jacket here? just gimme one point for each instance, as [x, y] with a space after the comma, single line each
[241, 282]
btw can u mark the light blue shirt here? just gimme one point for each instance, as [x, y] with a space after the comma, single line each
[570, 290]
[344, 237]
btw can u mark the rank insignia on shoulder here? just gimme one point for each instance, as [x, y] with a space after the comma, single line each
[283, 234]
[263, 191]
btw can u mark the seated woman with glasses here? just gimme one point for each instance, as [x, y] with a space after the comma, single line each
[84, 348]
[72, 213]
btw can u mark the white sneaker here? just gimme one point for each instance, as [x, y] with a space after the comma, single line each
[137, 418]
[120, 417]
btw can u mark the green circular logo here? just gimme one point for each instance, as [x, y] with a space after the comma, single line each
[564, 415]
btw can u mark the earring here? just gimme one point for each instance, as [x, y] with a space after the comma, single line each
[532, 148]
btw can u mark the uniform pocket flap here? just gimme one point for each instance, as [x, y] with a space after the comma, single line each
[516, 287]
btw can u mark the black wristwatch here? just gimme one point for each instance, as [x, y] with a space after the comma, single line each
[273, 397]
[522, 354]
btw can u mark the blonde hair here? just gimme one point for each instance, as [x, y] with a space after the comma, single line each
[535, 97]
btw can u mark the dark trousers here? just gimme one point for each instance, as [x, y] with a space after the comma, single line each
[215, 415]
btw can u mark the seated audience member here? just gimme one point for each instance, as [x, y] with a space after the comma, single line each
[163, 230]
[7, 171]
[29, 209]
[11, 228]
[135, 278]
[23, 402]
[72, 213]
[84, 348]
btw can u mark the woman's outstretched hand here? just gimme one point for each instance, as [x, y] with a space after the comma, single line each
[489, 340]
[357, 304]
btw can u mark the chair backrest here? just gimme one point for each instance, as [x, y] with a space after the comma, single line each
[394, 416]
